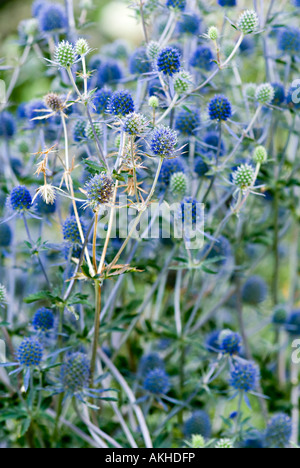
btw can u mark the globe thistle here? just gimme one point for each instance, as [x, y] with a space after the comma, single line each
[168, 61]
[244, 177]
[198, 424]
[163, 141]
[224, 444]
[260, 155]
[279, 94]
[244, 376]
[28, 28]
[289, 41]
[43, 320]
[279, 316]
[53, 102]
[153, 49]
[255, 441]
[227, 3]
[109, 72]
[219, 108]
[182, 82]
[20, 199]
[101, 100]
[250, 90]
[135, 124]
[139, 63]
[197, 442]
[179, 185]
[65, 55]
[71, 232]
[248, 22]
[212, 342]
[292, 324]
[178, 5]
[203, 58]
[296, 3]
[82, 47]
[3, 296]
[187, 122]
[247, 46]
[212, 142]
[255, 290]
[7, 125]
[230, 342]
[35, 109]
[30, 353]
[153, 102]
[71, 251]
[5, 235]
[44, 208]
[150, 362]
[265, 93]
[121, 103]
[52, 17]
[89, 130]
[200, 167]
[157, 382]
[279, 431]
[170, 167]
[189, 24]
[213, 33]
[75, 373]
[99, 190]
[79, 131]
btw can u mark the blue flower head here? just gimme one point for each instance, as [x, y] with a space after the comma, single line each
[227, 3]
[109, 72]
[121, 103]
[292, 324]
[279, 431]
[30, 352]
[168, 61]
[139, 62]
[212, 343]
[200, 166]
[220, 252]
[37, 6]
[279, 96]
[170, 167]
[219, 108]
[198, 424]
[163, 141]
[189, 24]
[52, 17]
[255, 290]
[157, 382]
[289, 41]
[7, 125]
[176, 4]
[150, 362]
[71, 232]
[187, 121]
[244, 376]
[230, 342]
[5, 235]
[43, 320]
[99, 190]
[79, 130]
[20, 199]
[75, 373]
[33, 109]
[203, 58]
[101, 100]
[211, 140]
[255, 440]
[44, 208]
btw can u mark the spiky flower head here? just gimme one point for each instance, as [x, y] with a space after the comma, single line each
[178, 5]
[219, 108]
[52, 17]
[8, 125]
[153, 102]
[47, 193]
[179, 185]
[71, 232]
[79, 130]
[213, 33]
[75, 373]
[28, 28]
[182, 82]
[153, 49]
[65, 55]
[230, 342]
[248, 22]
[260, 155]
[99, 190]
[289, 41]
[30, 352]
[54, 102]
[139, 63]
[227, 3]
[197, 442]
[20, 199]
[203, 58]
[280, 315]
[157, 382]
[279, 96]
[198, 424]
[101, 100]
[191, 212]
[82, 47]
[244, 376]
[265, 93]
[187, 121]
[121, 103]
[150, 362]
[244, 176]
[135, 124]
[279, 431]
[163, 141]
[3, 296]
[89, 130]
[168, 61]
[292, 324]
[255, 290]
[250, 90]
[224, 443]
[200, 167]
[43, 320]
[170, 167]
